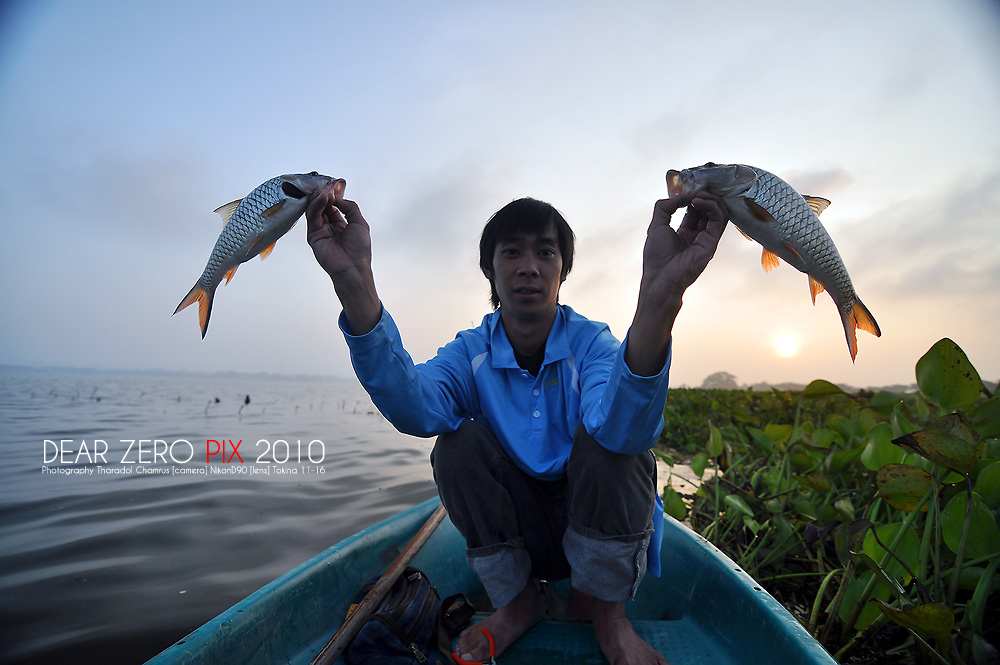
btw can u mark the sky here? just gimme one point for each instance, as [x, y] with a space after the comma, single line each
[123, 125]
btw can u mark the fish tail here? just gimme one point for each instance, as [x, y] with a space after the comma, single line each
[199, 295]
[857, 317]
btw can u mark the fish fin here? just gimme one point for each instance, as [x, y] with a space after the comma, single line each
[199, 295]
[757, 211]
[231, 272]
[745, 234]
[815, 288]
[273, 210]
[818, 204]
[226, 211]
[864, 319]
[339, 186]
[858, 317]
[264, 253]
[769, 260]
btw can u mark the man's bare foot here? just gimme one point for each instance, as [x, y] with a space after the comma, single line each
[617, 638]
[506, 625]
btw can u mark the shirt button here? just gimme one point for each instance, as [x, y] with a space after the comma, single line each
[537, 414]
[536, 392]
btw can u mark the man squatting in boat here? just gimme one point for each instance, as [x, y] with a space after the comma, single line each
[544, 421]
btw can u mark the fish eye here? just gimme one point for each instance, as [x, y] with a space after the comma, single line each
[313, 173]
[710, 164]
[292, 191]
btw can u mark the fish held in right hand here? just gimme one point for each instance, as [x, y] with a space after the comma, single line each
[768, 210]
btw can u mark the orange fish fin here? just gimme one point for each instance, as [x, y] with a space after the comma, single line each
[759, 212]
[817, 203]
[231, 272]
[745, 234]
[858, 317]
[769, 260]
[815, 288]
[204, 299]
[226, 211]
[864, 319]
[273, 210]
[339, 186]
[264, 253]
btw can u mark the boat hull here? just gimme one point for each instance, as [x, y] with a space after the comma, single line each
[703, 609]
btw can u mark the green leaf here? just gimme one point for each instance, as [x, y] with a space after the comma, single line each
[779, 433]
[976, 608]
[806, 509]
[664, 455]
[762, 440]
[948, 441]
[934, 619]
[739, 504]
[947, 378]
[852, 598]
[673, 504]
[839, 461]
[714, 445]
[988, 485]
[753, 525]
[884, 402]
[903, 485]
[824, 438]
[986, 418]
[908, 550]
[815, 481]
[698, 464]
[887, 579]
[984, 536]
[821, 388]
[845, 508]
[878, 450]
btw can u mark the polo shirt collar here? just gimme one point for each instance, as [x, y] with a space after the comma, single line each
[556, 346]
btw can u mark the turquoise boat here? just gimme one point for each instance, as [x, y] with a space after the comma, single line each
[703, 610]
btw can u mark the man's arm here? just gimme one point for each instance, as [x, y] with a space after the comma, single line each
[671, 262]
[341, 241]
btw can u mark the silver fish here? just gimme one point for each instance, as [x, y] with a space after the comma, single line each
[765, 208]
[253, 225]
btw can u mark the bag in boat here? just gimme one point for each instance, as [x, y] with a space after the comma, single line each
[409, 625]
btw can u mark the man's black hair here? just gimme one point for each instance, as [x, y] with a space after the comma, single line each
[523, 216]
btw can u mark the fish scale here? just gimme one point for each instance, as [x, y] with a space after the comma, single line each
[794, 220]
[253, 224]
[767, 209]
[246, 223]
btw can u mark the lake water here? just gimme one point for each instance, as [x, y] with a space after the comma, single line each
[120, 532]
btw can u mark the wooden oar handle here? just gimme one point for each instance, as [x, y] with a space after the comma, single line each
[350, 628]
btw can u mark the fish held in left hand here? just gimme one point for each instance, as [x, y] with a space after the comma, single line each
[767, 209]
[253, 225]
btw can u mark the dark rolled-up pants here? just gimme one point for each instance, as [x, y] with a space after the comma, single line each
[593, 525]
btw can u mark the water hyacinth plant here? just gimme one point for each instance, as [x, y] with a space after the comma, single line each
[873, 517]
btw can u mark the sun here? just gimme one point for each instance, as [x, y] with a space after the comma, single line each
[786, 344]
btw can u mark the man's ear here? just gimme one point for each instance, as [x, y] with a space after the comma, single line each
[488, 273]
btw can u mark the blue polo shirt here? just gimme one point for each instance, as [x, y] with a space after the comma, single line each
[583, 379]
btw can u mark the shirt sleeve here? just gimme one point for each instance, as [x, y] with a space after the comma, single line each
[625, 413]
[421, 400]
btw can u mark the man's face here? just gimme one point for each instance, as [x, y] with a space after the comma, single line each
[527, 273]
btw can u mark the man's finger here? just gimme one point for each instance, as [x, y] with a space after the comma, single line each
[350, 211]
[663, 210]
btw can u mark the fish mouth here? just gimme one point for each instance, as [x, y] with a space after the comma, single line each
[675, 184]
